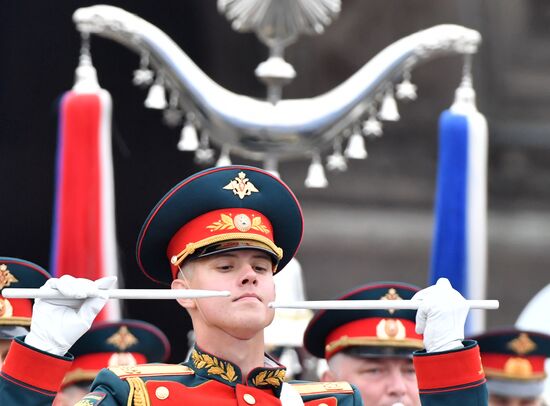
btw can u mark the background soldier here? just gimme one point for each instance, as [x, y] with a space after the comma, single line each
[372, 349]
[513, 361]
[125, 343]
[15, 314]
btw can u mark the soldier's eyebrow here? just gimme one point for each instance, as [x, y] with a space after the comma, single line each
[262, 255]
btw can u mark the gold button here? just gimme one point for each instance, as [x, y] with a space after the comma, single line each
[162, 392]
[248, 398]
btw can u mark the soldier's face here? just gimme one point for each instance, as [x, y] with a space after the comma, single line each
[248, 275]
[497, 400]
[381, 382]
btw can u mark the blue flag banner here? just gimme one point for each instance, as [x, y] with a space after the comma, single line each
[459, 251]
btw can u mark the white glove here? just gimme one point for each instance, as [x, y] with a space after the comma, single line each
[58, 323]
[441, 316]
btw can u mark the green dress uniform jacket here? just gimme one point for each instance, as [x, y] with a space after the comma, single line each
[32, 377]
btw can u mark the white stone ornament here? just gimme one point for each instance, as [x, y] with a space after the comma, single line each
[189, 140]
[156, 98]
[372, 126]
[316, 174]
[356, 147]
[336, 161]
[280, 127]
[406, 90]
[388, 109]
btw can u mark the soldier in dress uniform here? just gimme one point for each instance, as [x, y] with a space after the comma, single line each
[373, 349]
[229, 228]
[124, 343]
[15, 314]
[513, 361]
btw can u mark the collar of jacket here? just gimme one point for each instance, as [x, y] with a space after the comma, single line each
[271, 376]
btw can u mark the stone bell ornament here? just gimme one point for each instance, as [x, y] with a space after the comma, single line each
[276, 128]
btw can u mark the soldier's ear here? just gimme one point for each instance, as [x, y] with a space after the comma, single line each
[183, 284]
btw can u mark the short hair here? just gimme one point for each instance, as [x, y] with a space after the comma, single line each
[186, 270]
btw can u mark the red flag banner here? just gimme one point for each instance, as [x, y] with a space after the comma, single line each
[84, 242]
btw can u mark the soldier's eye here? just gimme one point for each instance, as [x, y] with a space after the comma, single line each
[225, 267]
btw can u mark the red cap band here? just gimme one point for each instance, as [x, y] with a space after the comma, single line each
[373, 331]
[217, 226]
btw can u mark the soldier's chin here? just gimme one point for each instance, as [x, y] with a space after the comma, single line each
[247, 331]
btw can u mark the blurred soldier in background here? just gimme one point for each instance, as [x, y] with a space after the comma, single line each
[513, 361]
[15, 314]
[373, 349]
[125, 343]
[284, 336]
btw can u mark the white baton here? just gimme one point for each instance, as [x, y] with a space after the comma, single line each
[372, 304]
[24, 293]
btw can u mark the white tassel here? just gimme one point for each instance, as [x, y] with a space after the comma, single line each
[388, 109]
[316, 174]
[204, 155]
[172, 116]
[224, 159]
[372, 126]
[406, 90]
[189, 140]
[143, 76]
[156, 98]
[356, 146]
[337, 161]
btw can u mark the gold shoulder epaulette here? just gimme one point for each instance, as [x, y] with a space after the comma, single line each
[151, 370]
[312, 388]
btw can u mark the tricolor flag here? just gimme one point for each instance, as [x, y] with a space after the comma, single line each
[459, 250]
[83, 240]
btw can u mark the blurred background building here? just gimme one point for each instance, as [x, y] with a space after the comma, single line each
[373, 222]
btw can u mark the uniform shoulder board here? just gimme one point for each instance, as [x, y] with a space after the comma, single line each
[151, 370]
[312, 388]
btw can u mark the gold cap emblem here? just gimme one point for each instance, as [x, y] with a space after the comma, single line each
[518, 368]
[241, 186]
[122, 339]
[522, 345]
[391, 295]
[6, 278]
[388, 329]
[120, 359]
[241, 222]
